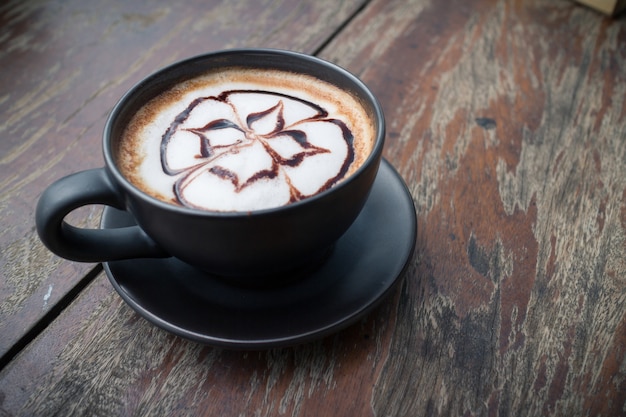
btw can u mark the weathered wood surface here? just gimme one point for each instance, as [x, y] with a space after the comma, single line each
[508, 121]
[63, 65]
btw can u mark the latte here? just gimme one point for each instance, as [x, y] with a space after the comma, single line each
[241, 140]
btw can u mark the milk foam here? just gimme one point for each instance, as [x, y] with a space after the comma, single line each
[245, 140]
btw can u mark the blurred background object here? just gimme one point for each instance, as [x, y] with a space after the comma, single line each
[609, 7]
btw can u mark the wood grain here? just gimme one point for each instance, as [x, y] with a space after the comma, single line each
[63, 65]
[507, 120]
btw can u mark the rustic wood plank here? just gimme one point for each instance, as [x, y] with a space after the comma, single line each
[63, 65]
[508, 121]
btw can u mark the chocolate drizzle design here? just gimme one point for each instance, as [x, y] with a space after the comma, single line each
[234, 127]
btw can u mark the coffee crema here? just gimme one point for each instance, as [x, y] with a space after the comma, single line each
[245, 139]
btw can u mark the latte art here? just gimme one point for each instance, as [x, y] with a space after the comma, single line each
[246, 143]
[251, 143]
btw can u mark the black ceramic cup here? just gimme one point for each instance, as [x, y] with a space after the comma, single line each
[250, 246]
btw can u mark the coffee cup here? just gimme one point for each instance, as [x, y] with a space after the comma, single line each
[245, 163]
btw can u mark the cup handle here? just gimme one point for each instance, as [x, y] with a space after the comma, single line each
[88, 245]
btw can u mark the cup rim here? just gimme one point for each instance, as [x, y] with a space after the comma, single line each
[373, 157]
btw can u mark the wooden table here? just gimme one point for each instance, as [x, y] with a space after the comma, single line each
[506, 119]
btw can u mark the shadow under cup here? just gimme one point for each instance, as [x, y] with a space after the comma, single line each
[254, 247]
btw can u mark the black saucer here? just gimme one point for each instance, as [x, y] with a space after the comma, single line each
[361, 269]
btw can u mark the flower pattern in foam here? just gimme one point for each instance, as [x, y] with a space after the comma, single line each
[284, 147]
